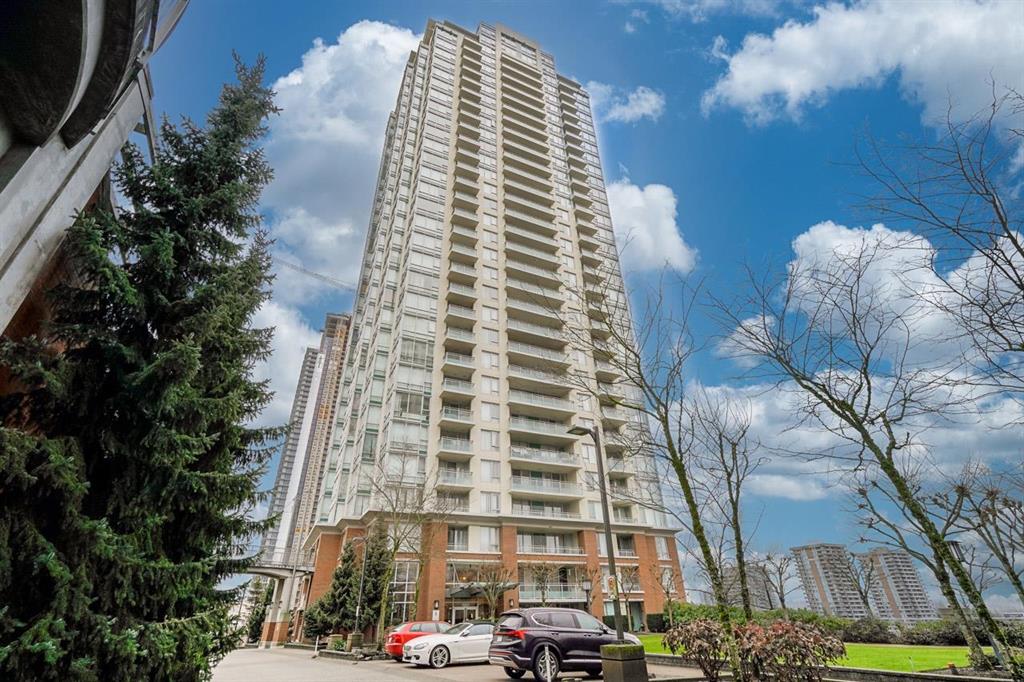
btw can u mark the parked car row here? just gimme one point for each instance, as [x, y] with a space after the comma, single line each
[544, 641]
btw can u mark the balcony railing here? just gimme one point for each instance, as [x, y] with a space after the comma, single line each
[529, 548]
[532, 373]
[458, 359]
[544, 455]
[539, 351]
[532, 593]
[547, 485]
[460, 413]
[458, 547]
[543, 513]
[459, 333]
[540, 399]
[533, 328]
[538, 425]
[544, 255]
[455, 477]
[552, 312]
[461, 310]
[457, 384]
[456, 444]
[532, 269]
[547, 292]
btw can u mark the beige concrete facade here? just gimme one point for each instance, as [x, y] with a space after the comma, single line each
[490, 241]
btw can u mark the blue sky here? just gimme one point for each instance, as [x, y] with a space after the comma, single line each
[726, 129]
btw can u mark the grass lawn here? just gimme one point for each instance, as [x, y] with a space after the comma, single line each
[878, 656]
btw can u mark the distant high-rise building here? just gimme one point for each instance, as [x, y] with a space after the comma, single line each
[826, 572]
[758, 585]
[300, 470]
[896, 590]
[489, 242]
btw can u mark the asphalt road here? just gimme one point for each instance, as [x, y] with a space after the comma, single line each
[294, 665]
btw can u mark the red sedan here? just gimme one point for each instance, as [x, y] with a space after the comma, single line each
[411, 630]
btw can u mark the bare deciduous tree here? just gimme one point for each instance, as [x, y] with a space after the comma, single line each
[864, 368]
[493, 581]
[779, 570]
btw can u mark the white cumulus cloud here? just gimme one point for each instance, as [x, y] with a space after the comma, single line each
[936, 49]
[325, 147]
[796, 488]
[292, 335]
[645, 227]
[618, 105]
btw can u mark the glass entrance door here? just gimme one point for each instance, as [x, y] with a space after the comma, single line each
[462, 613]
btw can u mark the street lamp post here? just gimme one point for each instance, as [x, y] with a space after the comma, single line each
[362, 577]
[595, 433]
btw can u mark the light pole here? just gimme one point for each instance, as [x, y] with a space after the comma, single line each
[362, 577]
[595, 433]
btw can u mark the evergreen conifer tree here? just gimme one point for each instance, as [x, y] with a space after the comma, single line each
[375, 583]
[127, 471]
[335, 610]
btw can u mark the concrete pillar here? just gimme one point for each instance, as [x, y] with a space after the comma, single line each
[328, 552]
[509, 560]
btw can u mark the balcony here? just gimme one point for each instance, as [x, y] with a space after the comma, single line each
[461, 272]
[541, 405]
[536, 228]
[466, 169]
[560, 593]
[528, 238]
[535, 334]
[531, 255]
[532, 193]
[457, 365]
[542, 183]
[462, 253]
[540, 430]
[461, 216]
[606, 371]
[460, 315]
[550, 277]
[527, 164]
[460, 388]
[467, 201]
[615, 417]
[549, 459]
[532, 378]
[544, 512]
[453, 446]
[456, 479]
[465, 235]
[461, 294]
[530, 548]
[456, 417]
[535, 352]
[539, 314]
[553, 294]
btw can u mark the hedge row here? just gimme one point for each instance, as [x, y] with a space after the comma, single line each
[866, 630]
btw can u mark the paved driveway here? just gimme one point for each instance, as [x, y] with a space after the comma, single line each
[293, 665]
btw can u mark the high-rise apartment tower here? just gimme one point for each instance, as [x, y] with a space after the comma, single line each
[488, 237]
[897, 593]
[299, 474]
[828, 574]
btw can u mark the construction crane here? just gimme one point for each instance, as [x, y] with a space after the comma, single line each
[336, 283]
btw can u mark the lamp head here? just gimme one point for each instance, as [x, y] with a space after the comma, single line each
[580, 431]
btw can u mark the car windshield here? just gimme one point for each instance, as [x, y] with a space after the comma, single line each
[457, 629]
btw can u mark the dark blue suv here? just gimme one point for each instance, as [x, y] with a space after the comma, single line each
[548, 641]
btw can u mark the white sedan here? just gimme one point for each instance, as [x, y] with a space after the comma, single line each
[462, 643]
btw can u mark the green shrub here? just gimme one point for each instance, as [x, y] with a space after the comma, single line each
[702, 641]
[868, 631]
[944, 632]
[337, 645]
[656, 622]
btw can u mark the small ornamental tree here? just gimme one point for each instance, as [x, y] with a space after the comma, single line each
[127, 469]
[785, 650]
[702, 641]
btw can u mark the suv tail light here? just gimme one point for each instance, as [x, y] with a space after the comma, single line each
[515, 634]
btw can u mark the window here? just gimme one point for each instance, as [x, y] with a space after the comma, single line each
[589, 454]
[491, 471]
[490, 439]
[489, 539]
[480, 629]
[489, 412]
[491, 273]
[491, 255]
[661, 544]
[489, 385]
[458, 539]
[490, 314]
[490, 360]
[491, 335]
[490, 503]
[490, 293]
[594, 510]
[588, 622]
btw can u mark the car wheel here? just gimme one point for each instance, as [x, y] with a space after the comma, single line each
[514, 673]
[547, 666]
[439, 657]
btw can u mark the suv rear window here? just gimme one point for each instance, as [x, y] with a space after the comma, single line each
[511, 621]
[557, 619]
